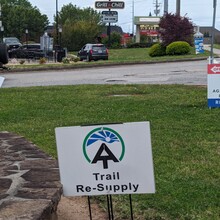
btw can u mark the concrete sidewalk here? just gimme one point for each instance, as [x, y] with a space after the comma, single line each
[215, 51]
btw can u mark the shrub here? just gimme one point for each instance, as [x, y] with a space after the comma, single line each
[174, 28]
[178, 48]
[65, 60]
[22, 62]
[157, 50]
[70, 58]
[42, 60]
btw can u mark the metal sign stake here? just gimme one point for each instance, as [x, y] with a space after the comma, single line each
[131, 208]
[90, 211]
[111, 205]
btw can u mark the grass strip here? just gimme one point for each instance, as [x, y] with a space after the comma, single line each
[185, 138]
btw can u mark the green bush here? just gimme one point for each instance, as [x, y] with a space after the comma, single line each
[70, 58]
[178, 48]
[157, 50]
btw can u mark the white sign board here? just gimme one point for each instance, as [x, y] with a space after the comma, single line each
[105, 159]
[109, 16]
[109, 19]
[149, 19]
[213, 85]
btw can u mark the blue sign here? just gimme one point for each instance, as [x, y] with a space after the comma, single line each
[198, 41]
[213, 103]
[199, 45]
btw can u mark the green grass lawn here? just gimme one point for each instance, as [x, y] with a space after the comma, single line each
[142, 54]
[217, 46]
[185, 138]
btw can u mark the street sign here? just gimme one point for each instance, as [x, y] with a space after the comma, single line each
[105, 159]
[109, 5]
[109, 16]
[214, 68]
[213, 85]
[110, 13]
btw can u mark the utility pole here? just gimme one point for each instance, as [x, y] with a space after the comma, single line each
[157, 10]
[109, 31]
[178, 7]
[165, 6]
[133, 19]
[57, 37]
[213, 28]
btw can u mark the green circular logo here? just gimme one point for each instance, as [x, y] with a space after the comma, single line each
[103, 144]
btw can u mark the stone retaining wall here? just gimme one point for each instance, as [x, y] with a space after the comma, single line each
[29, 180]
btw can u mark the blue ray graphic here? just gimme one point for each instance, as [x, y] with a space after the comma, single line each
[105, 136]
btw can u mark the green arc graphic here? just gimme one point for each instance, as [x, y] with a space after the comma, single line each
[98, 129]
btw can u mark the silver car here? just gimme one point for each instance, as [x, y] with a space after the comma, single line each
[93, 52]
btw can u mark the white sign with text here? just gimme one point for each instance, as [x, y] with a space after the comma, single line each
[106, 159]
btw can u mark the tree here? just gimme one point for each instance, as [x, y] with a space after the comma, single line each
[175, 28]
[73, 14]
[80, 26]
[77, 34]
[115, 40]
[19, 15]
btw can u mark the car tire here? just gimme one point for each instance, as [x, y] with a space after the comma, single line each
[3, 54]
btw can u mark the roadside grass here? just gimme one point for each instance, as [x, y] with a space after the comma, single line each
[217, 46]
[185, 138]
[142, 54]
[117, 56]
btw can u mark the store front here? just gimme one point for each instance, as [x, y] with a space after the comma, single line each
[148, 26]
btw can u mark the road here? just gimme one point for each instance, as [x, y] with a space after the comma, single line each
[188, 73]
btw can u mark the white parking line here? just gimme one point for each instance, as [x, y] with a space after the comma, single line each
[1, 80]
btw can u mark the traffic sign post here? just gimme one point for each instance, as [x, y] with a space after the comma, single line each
[213, 85]
[109, 16]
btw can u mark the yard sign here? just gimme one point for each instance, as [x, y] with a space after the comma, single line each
[105, 159]
[213, 85]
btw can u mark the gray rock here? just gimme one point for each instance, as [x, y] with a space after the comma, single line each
[29, 180]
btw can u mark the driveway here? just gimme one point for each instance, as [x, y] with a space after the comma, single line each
[188, 73]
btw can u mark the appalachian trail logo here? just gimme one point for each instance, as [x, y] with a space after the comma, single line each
[103, 144]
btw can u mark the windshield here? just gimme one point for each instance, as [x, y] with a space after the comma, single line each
[101, 47]
[11, 40]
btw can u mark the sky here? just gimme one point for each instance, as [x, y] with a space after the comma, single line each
[199, 11]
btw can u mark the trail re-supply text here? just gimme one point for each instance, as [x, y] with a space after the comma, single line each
[109, 188]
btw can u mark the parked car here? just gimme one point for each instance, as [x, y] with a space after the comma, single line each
[27, 51]
[11, 42]
[93, 52]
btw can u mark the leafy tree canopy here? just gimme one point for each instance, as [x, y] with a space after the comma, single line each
[73, 13]
[80, 26]
[22, 3]
[175, 28]
[19, 15]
